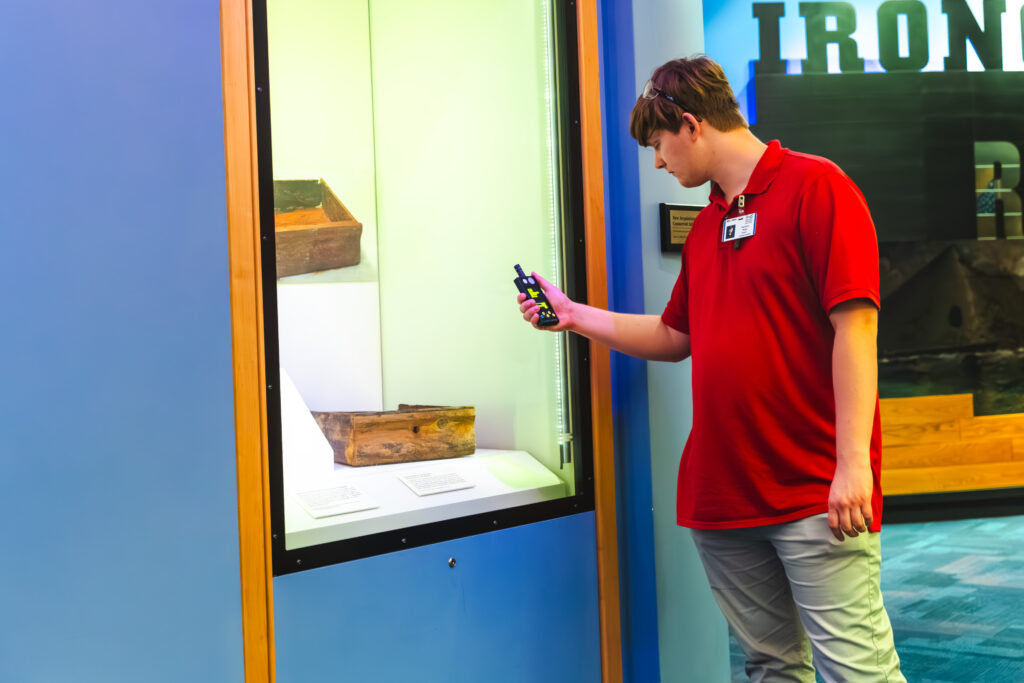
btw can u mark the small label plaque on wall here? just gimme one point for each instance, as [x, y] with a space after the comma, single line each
[676, 223]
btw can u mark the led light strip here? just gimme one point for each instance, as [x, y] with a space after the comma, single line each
[559, 339]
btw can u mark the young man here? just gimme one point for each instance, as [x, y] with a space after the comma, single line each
[777, 302]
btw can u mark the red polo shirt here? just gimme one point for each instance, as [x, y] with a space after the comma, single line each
[763, 445]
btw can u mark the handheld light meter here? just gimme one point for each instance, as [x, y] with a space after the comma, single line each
[530, 287]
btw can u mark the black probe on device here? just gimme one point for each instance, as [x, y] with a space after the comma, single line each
[528, 286]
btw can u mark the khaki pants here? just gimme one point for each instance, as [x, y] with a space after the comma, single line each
[792, 591]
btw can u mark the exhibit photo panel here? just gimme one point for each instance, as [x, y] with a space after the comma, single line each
[919, 103]
[411, 156]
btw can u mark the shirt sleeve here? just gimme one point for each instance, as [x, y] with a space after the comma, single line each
[677, 311]
[839, 241]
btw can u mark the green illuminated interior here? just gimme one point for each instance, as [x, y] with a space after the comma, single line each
[462, 124]
[322, 108]
[433, 123]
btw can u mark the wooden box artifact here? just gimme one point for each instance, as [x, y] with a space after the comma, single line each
[313, 229]
[408, 434]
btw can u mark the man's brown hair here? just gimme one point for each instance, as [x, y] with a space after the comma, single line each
[699, 87]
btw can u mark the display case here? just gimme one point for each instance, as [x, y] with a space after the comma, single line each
[410, 155]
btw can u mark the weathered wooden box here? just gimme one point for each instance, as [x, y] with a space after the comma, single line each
[313, 229]
[408, 434]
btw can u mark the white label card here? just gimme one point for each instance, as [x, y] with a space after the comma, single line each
[337, 500]
[738, 227]
[428, 483]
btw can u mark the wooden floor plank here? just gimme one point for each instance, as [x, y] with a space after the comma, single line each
[989, 426]
[953, 478]
[917, 409]
[914, 434]
[942, 454]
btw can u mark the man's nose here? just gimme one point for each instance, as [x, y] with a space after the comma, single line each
[658, 161]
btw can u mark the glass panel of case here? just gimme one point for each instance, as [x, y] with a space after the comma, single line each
[416, 159]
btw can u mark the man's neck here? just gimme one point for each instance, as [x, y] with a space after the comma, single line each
[735, 155]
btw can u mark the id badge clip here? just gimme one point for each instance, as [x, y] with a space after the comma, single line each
[738, 228]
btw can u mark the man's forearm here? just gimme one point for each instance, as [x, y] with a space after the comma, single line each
[855, 382]
[643, 336]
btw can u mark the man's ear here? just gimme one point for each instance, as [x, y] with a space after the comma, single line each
[690, 121]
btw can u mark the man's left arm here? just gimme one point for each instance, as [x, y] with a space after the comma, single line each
[855, 383]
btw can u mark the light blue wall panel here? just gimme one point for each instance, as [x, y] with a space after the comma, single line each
[520, 605]
[692, 634]
[117, 482]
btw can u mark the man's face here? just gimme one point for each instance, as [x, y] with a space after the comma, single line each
[675, 152]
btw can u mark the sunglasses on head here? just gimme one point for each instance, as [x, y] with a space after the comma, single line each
[651, 91]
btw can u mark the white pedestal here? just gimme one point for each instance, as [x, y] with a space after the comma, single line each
[501, 479]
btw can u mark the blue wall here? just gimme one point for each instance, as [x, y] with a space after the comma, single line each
[117, 482]
[116, 435]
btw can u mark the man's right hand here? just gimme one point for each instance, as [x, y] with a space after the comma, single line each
[562, 305]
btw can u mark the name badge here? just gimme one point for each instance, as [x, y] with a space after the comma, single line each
[738, 227]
